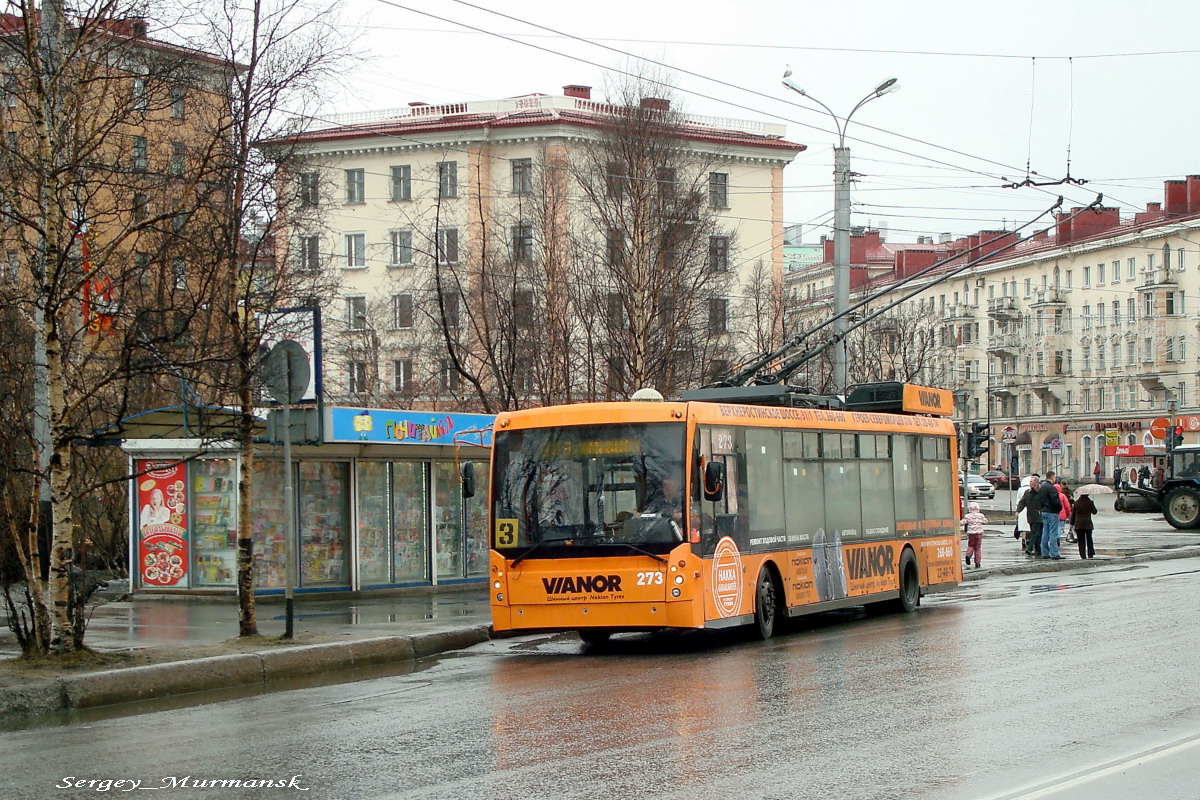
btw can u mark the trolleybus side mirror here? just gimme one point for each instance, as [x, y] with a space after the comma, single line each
[468, 479]
[714, 480]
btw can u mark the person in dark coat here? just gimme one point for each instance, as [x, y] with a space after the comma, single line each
[1081, 518]
[1116, 477]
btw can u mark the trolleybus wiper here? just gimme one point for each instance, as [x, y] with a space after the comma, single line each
[634, 547]
[538, 544]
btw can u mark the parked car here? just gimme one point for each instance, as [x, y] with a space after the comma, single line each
[976, 487]
[1001, 479]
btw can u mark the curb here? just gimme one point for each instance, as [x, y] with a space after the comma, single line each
[151, 681]
[1040, 565]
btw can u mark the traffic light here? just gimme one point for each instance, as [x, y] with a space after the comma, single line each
[1175, 437]
[977, 439]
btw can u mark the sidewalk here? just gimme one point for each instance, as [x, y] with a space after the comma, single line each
[179, 644]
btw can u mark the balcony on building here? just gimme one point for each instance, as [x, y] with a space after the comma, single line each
[1049, 388]
[1048, 298]
[1004, 344]
[1157, 278]
[959, 312]
[1151, 381]
[1003, 308]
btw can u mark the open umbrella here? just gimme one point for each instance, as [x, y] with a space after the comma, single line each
[1093, 488]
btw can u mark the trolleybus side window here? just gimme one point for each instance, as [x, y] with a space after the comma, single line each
[936, 466]
[878, 509]
[764, 486]
[907, 481]
[803, 486]
[843, 493]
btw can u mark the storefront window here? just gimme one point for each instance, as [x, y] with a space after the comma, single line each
[409, 503]
[324, 489]
[268, 526]
[374, 524]
[214, 521]
[448, 520]
[477, 524]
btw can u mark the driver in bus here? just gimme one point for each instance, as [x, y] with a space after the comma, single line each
[666, 502]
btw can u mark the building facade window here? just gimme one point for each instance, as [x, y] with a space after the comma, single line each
[141, 154]
[1130, 268]
[402, 311]
[718, 315]
[179, 272]
[309, 189]
[178, 158]
[450, 306]
[718, 253]
[401, 248]
[447, 179]
[310, 253]
[614, 179]
[449, 376]
[178, 102]
[447, 246]
[356, 250]
[718, 189]
[522, 176]
[522, 243]
[401, 182]
[141, 101]
[1087, 277]
[402, 372]
[615, 246]
[356, 313]
[356, 191]
[356, 372]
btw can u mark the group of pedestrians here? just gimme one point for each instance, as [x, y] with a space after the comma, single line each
[1043, 505]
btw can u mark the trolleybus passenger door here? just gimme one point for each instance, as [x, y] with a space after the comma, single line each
[719, 518]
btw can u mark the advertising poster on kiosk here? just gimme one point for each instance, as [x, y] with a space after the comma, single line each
[162, 524]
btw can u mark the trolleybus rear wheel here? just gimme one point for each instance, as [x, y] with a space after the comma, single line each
[910, 584]
[766, 604]
[1181, 507]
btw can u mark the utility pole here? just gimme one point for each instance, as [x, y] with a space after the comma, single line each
[841, 224]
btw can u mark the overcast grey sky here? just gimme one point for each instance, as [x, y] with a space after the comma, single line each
[985, 86]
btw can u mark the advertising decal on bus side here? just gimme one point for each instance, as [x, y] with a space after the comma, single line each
[727, 578]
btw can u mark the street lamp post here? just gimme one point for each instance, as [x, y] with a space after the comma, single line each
[841, 221]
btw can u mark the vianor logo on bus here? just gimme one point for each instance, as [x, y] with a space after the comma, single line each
[580, 584]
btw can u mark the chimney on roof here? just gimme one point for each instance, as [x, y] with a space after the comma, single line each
[1176, 196]
[1193, 194]
[417, 104]
[575, 90]
[656, 103]
[944, 238]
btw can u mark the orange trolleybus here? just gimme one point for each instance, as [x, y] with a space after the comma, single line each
[637, 516]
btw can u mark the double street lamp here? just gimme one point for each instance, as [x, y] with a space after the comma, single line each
[841, 221]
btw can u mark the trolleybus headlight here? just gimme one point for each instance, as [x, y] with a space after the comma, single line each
[678, 579]
[500, 598]
[674, 568]
[674, 593]
[496, 585]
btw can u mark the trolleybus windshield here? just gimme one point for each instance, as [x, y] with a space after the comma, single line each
[567, 491]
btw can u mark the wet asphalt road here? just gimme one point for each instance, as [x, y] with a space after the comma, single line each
[1018, 687]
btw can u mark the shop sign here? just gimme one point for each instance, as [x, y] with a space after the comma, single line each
[1008, 435]
[1127, 425]
[408, 427]
[1034, 427]
[1136, 450]
[162, 523]
[1112, 437]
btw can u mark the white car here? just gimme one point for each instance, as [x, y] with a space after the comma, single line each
[976, 487]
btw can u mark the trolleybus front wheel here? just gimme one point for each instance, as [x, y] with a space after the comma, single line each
[766, 604]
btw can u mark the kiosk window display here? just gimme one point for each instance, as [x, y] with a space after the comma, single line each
[268, 526]
[324, 489]
[374, 523]
[214, 521]
[410, 559]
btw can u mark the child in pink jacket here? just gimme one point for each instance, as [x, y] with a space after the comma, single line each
[974, 522]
